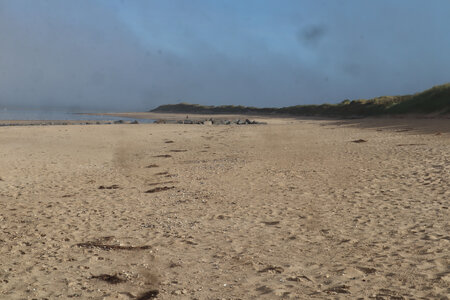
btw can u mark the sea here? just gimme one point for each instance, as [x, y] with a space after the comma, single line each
[58, 115]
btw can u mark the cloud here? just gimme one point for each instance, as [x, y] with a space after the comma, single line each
[135, 55]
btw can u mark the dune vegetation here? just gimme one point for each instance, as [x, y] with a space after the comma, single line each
[432, 101]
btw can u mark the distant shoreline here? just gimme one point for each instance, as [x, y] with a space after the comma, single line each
[430, 103]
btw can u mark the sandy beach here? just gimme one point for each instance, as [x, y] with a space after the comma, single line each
[296, 209]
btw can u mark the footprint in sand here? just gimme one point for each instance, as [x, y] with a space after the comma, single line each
[162, 173]
[159, 189]
[158, 183]
[111, 187]
[163, 155]
[152, 166]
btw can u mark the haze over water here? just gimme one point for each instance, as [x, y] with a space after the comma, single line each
[60, 115]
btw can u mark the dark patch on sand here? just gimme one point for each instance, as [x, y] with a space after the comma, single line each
[100, 245]
[112, 279]
[366, 270]
[359, 141]
[159, 189]
[158, 183]
[152, 166]
[411, 145]
[163, 155]
[271, 223]
[111, 187]
[148, 295]
[340, 289]
[162, 173]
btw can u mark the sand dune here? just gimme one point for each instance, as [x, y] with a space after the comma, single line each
[293, 209]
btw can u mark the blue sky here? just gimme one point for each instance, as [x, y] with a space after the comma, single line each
[135, 55]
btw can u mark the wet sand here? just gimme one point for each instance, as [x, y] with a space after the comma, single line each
[293, 209]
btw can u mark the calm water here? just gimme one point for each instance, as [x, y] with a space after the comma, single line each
[13, 114]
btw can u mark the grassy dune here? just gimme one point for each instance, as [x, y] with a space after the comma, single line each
[435, 100]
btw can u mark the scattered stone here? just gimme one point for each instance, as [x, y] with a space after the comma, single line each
[272, 269]
[298, 278]
[217, 122]
[209, 122]
[111, 247]
[174, 265]
[169, 142]
[163, 155]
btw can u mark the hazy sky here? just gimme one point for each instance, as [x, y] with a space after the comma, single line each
[135, 55]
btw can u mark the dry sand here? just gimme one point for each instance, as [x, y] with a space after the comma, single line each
[292, 209]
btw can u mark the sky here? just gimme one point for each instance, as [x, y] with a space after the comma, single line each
[133, 55]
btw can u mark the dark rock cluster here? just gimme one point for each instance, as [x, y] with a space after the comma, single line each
[210, 122]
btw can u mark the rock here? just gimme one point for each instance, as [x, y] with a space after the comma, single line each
[187, 121]
[119, 122]
[135, 122]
